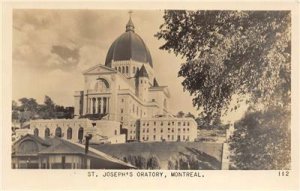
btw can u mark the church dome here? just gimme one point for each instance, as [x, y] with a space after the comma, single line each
[128, 46]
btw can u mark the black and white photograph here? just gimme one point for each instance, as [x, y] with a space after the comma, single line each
[151, 91]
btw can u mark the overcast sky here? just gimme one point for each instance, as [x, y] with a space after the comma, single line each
[51, 48]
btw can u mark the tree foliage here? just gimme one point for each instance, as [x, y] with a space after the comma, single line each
[262, 141]
[30, 109]
[231, 52]
[246, 54]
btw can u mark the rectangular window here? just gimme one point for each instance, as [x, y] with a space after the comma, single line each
[147, 130]
[172, 130]
[154, 137]
[168, 137]
[154, 123]
[172, 137]
[162, 123]
[179, 123]
[188, 123]
[172, 122]
[154, 129]
[121, 110]
[161, 130]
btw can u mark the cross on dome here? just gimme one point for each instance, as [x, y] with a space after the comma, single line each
[130, 25]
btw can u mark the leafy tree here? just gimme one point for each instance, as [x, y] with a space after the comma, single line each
[28, 104]
[262, 141]
[15, 112]
[231, 52]
[246, 54]
[153, 163]
[189, 114]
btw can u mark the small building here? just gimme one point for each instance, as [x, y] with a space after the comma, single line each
[33, 152]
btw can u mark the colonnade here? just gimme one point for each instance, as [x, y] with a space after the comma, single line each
[98, 105]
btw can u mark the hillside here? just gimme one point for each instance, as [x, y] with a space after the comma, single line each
[170, 155]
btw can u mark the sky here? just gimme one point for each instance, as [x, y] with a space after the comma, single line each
[51, 49]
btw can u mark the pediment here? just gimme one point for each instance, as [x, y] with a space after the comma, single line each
[99, 69]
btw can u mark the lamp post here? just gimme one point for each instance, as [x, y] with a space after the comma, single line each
[87, 141]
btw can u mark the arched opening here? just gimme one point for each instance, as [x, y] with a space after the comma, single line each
[58, 132]
[126, 69]
[80, 134]
[119, 69]
[47, 132]
[69, 133]
[36, 132]
[123, 69]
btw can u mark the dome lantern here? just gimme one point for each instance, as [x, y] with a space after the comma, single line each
[130, 26]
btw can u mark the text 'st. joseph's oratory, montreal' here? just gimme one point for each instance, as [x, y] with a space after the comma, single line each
[121, 95]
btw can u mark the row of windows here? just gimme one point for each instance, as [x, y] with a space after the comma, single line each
[132, 137]
[125, 69]
[169, 123]
[169, 137]
[161, 130]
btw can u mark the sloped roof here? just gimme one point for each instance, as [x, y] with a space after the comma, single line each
[143, 72]
[32, 137]
[61, 146]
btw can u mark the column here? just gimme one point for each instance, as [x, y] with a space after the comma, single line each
[91, 105]
[107, 105]
[100, 105]
[96, 105]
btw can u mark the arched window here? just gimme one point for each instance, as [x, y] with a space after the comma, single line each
[126, 69]
[133, 70]
[119, 69]
[69, 133]
[58, 132]
[36, 132]
[123, 69]
[47, 132]
[80, 134]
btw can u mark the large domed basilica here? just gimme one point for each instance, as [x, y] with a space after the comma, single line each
[122, 99]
